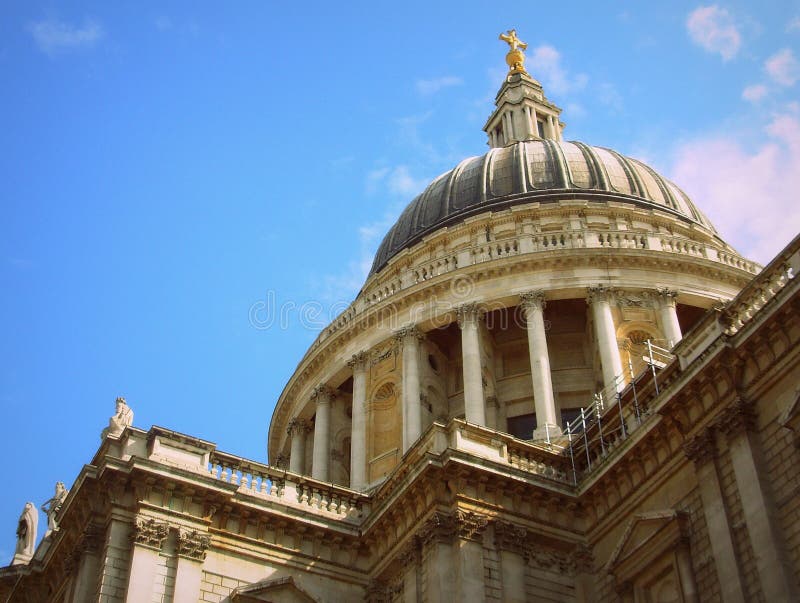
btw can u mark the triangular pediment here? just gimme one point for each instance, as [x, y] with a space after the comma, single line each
[272, 590]
[647, 536]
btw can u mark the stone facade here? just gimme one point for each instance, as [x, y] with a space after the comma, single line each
[582, 400]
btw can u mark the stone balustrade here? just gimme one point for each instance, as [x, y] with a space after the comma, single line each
[419, 266]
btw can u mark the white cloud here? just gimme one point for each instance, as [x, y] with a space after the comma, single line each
[544, 63]
[783, 67]
[748, 193]
[434, 85]
[397, 181]
[793, 25]
[53, 37]
[754, 93]
[712, 28]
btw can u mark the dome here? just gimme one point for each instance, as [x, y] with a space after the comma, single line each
[542, 171]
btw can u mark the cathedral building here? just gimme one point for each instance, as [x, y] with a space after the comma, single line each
[558, 383]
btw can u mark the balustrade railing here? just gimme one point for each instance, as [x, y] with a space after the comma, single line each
[275, 484]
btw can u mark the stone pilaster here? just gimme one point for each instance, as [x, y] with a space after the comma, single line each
[533, 304]
[512, 544]
[469, 316]
[148, 536]
[702, 451]
[191, 550]
[778, 581]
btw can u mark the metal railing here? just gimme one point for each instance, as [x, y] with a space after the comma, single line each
[615, 411]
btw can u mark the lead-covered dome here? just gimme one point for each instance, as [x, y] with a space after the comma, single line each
[529, 171]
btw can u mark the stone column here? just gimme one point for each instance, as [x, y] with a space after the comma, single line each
[408, 339]
[702, 450]
[778, 581]
[148, 538]
[297, 430]
[511, 544]
[191, 550]
[86, 559]
[468, 319]
[322, 396]
[533, 304]
[668, 316]
[358, 434]
[606, 335]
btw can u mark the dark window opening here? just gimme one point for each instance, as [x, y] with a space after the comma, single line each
[522, 426]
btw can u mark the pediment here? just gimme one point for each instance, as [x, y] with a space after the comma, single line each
[272, 590]
[646, 537]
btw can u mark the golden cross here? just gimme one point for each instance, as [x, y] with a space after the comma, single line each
[513, 41]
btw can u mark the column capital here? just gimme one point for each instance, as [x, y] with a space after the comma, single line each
[666, 296]
[193, 544]
[599, 293]
[281, 461]
[322, 394]
[510, 537]
[702, 448]
[149, 532]
[440, 527]
[468, 314]
[738, 418]
[408, 331]
[531, 299]
[358, 362]
[297, 426]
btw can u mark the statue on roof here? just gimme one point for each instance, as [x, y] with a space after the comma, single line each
[515, 57]
[53, 505]
[121, 419]
[26, 535]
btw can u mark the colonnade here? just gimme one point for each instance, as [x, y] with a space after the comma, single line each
[469, 320]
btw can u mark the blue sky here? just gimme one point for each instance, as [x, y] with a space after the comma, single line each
[167, 168]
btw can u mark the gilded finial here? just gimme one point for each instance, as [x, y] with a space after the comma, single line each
[515, 57]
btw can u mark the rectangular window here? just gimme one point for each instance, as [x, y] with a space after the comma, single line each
[540, 126]
[522, 426]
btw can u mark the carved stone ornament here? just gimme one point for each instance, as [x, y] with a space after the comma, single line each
[149, 532]
[471, 525]
[282, 461]
[667, 297]
[193, 544]
[510, 537]
[122, 418]
[379, 591]
[532, 299]
[701, 448]
[26, 534]
[359, 361]
[406, 332]
[440, 527]
[322, 394]
[53, 505]
[297, 426]
[468, 314]
[583, 559]
[737, 418]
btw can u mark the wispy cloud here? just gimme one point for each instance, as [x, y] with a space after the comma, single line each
[793, 25]
[746, 191]
[713, 29]
[434, 85]
[783, 67]
[544, 63]
[396, 180]
[754, 93]
[54, 37]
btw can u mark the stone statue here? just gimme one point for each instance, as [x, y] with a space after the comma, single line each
[52, 506]
[26, 535]
[121, 419]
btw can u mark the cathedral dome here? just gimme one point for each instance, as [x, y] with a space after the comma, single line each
[542, 171]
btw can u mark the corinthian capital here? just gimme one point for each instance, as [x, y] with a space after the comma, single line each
[149, 532]
[667, 297]
[533, 299]
[358, 362]
[468, 314]
[322, 394]
[598, 293]
[409, 331]
[296, 426]
[193, 544]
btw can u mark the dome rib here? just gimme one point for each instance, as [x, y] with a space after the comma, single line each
[536, 170]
